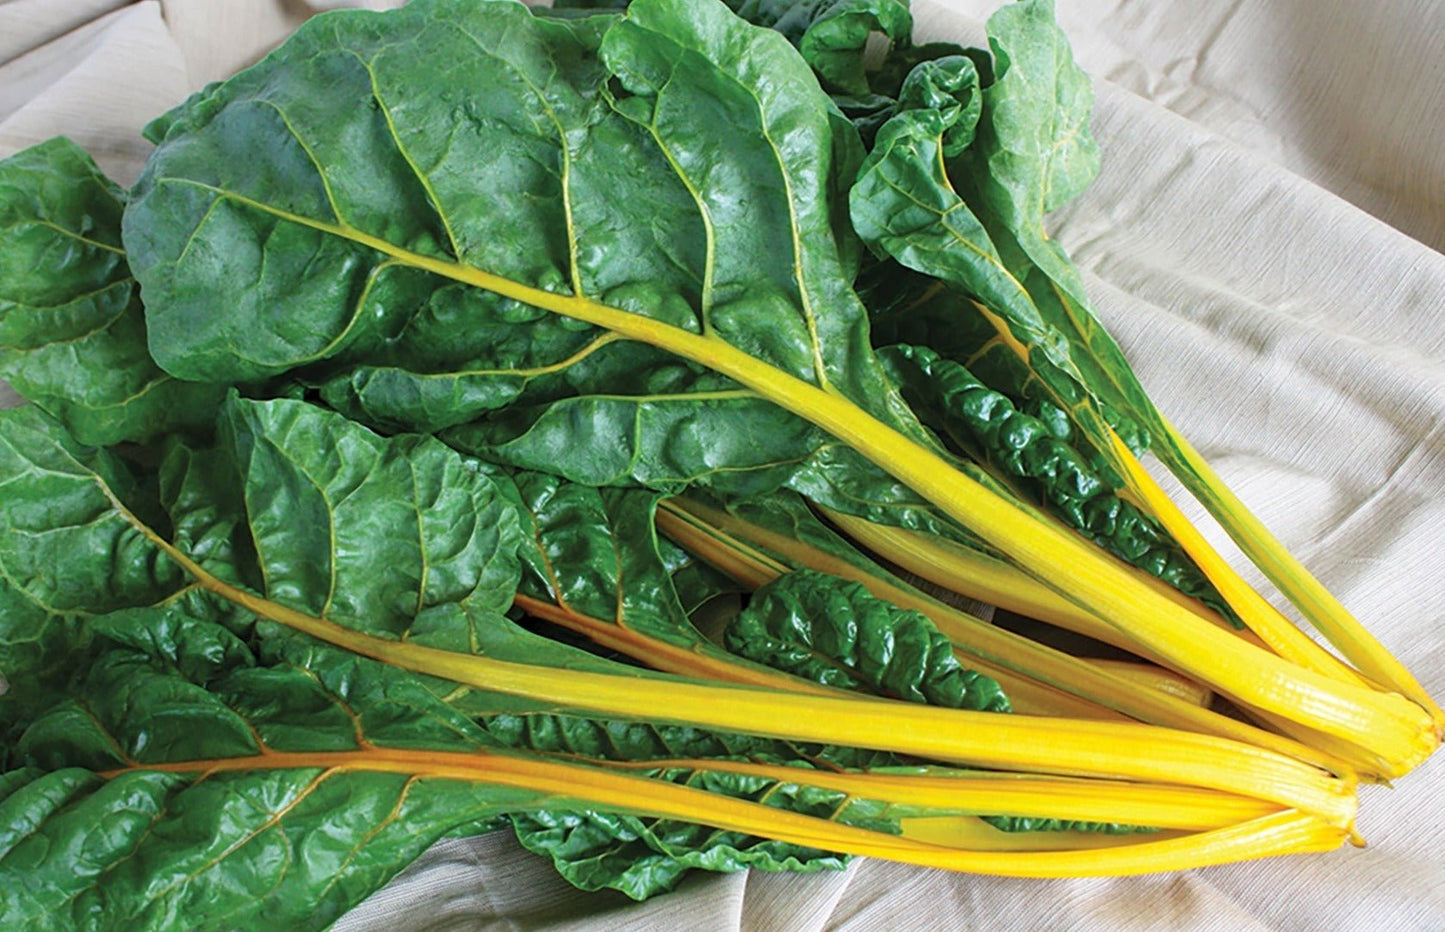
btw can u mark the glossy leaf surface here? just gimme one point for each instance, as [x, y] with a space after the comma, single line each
[839, 634]
[72, 330]
[985, 424]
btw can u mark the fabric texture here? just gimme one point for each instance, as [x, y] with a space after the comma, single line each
[1263, 240]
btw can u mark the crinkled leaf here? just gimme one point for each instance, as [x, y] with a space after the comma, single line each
[289, 844]
[72, 330]
[39, 652]
[1035, 152]
[733, 161]
[70, 529]
[985, 424]
[836, 632]
[643, 857]
[1026, 824]
[81, 535]
[832, 35]
[366, 530]
[696, 582]
[594, 554]
[1038, 146]
[904, 206]
[173, 688]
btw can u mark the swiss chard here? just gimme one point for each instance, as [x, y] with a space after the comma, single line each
[416, 361]
[728, 258]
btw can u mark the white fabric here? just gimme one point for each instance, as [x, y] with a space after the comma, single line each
[1262, 239]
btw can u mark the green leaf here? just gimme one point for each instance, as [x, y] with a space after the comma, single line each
[1035, 152]
[697, 583]
[905, 206]
[69, 540]
[986, 425]
[365, 530]
[402, 234]
[1025, 824]
[67, 553]
[72, 331]
[644, 856]
[1039, 149]
[268, 841]
[837, 633]
[172, 688]
[39, 652]
[832, 35]
[594, 553]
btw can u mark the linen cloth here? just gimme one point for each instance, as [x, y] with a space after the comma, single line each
[1263, 240]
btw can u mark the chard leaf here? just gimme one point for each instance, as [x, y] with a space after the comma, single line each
[70, 529]
[1038, 146]
[985, 424]
[78, 533]
[239, 834]
[270, 819]
[592, 565]
[67, 553]
[72, 330]
[905, 207]
[832, 35]
[1038, 152]
[696, 582]
[903, 204]
[1035, 153]
[732, 234]
[644, 856]
[1026, 824]
[836, 632]
[369, 531]
[39, 651]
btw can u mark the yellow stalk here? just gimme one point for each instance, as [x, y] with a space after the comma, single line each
[1141, 489]
[1030, 697]
[975, 834]
[957, 568]
[1154, 677]
[698, 661]
[707, 530]
[1392, 725]
[977, 576]
[1262, 618]
[1368, 766]
[970, 792]
[1026, 696]
[754, 569]
[1062, 746]
[1285, 832]
[1314, 601]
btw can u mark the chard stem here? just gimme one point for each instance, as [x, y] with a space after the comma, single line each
[1060, 746]
[699, 661]
[1314, 601]
[1181, 640]
[977, 638]
[1286, 832]
[1263, 619]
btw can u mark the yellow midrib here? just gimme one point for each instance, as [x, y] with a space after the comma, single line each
[1253, 675]
[556, 783]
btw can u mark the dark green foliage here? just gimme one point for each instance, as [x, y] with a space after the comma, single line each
[72, 329]
[838, 634]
